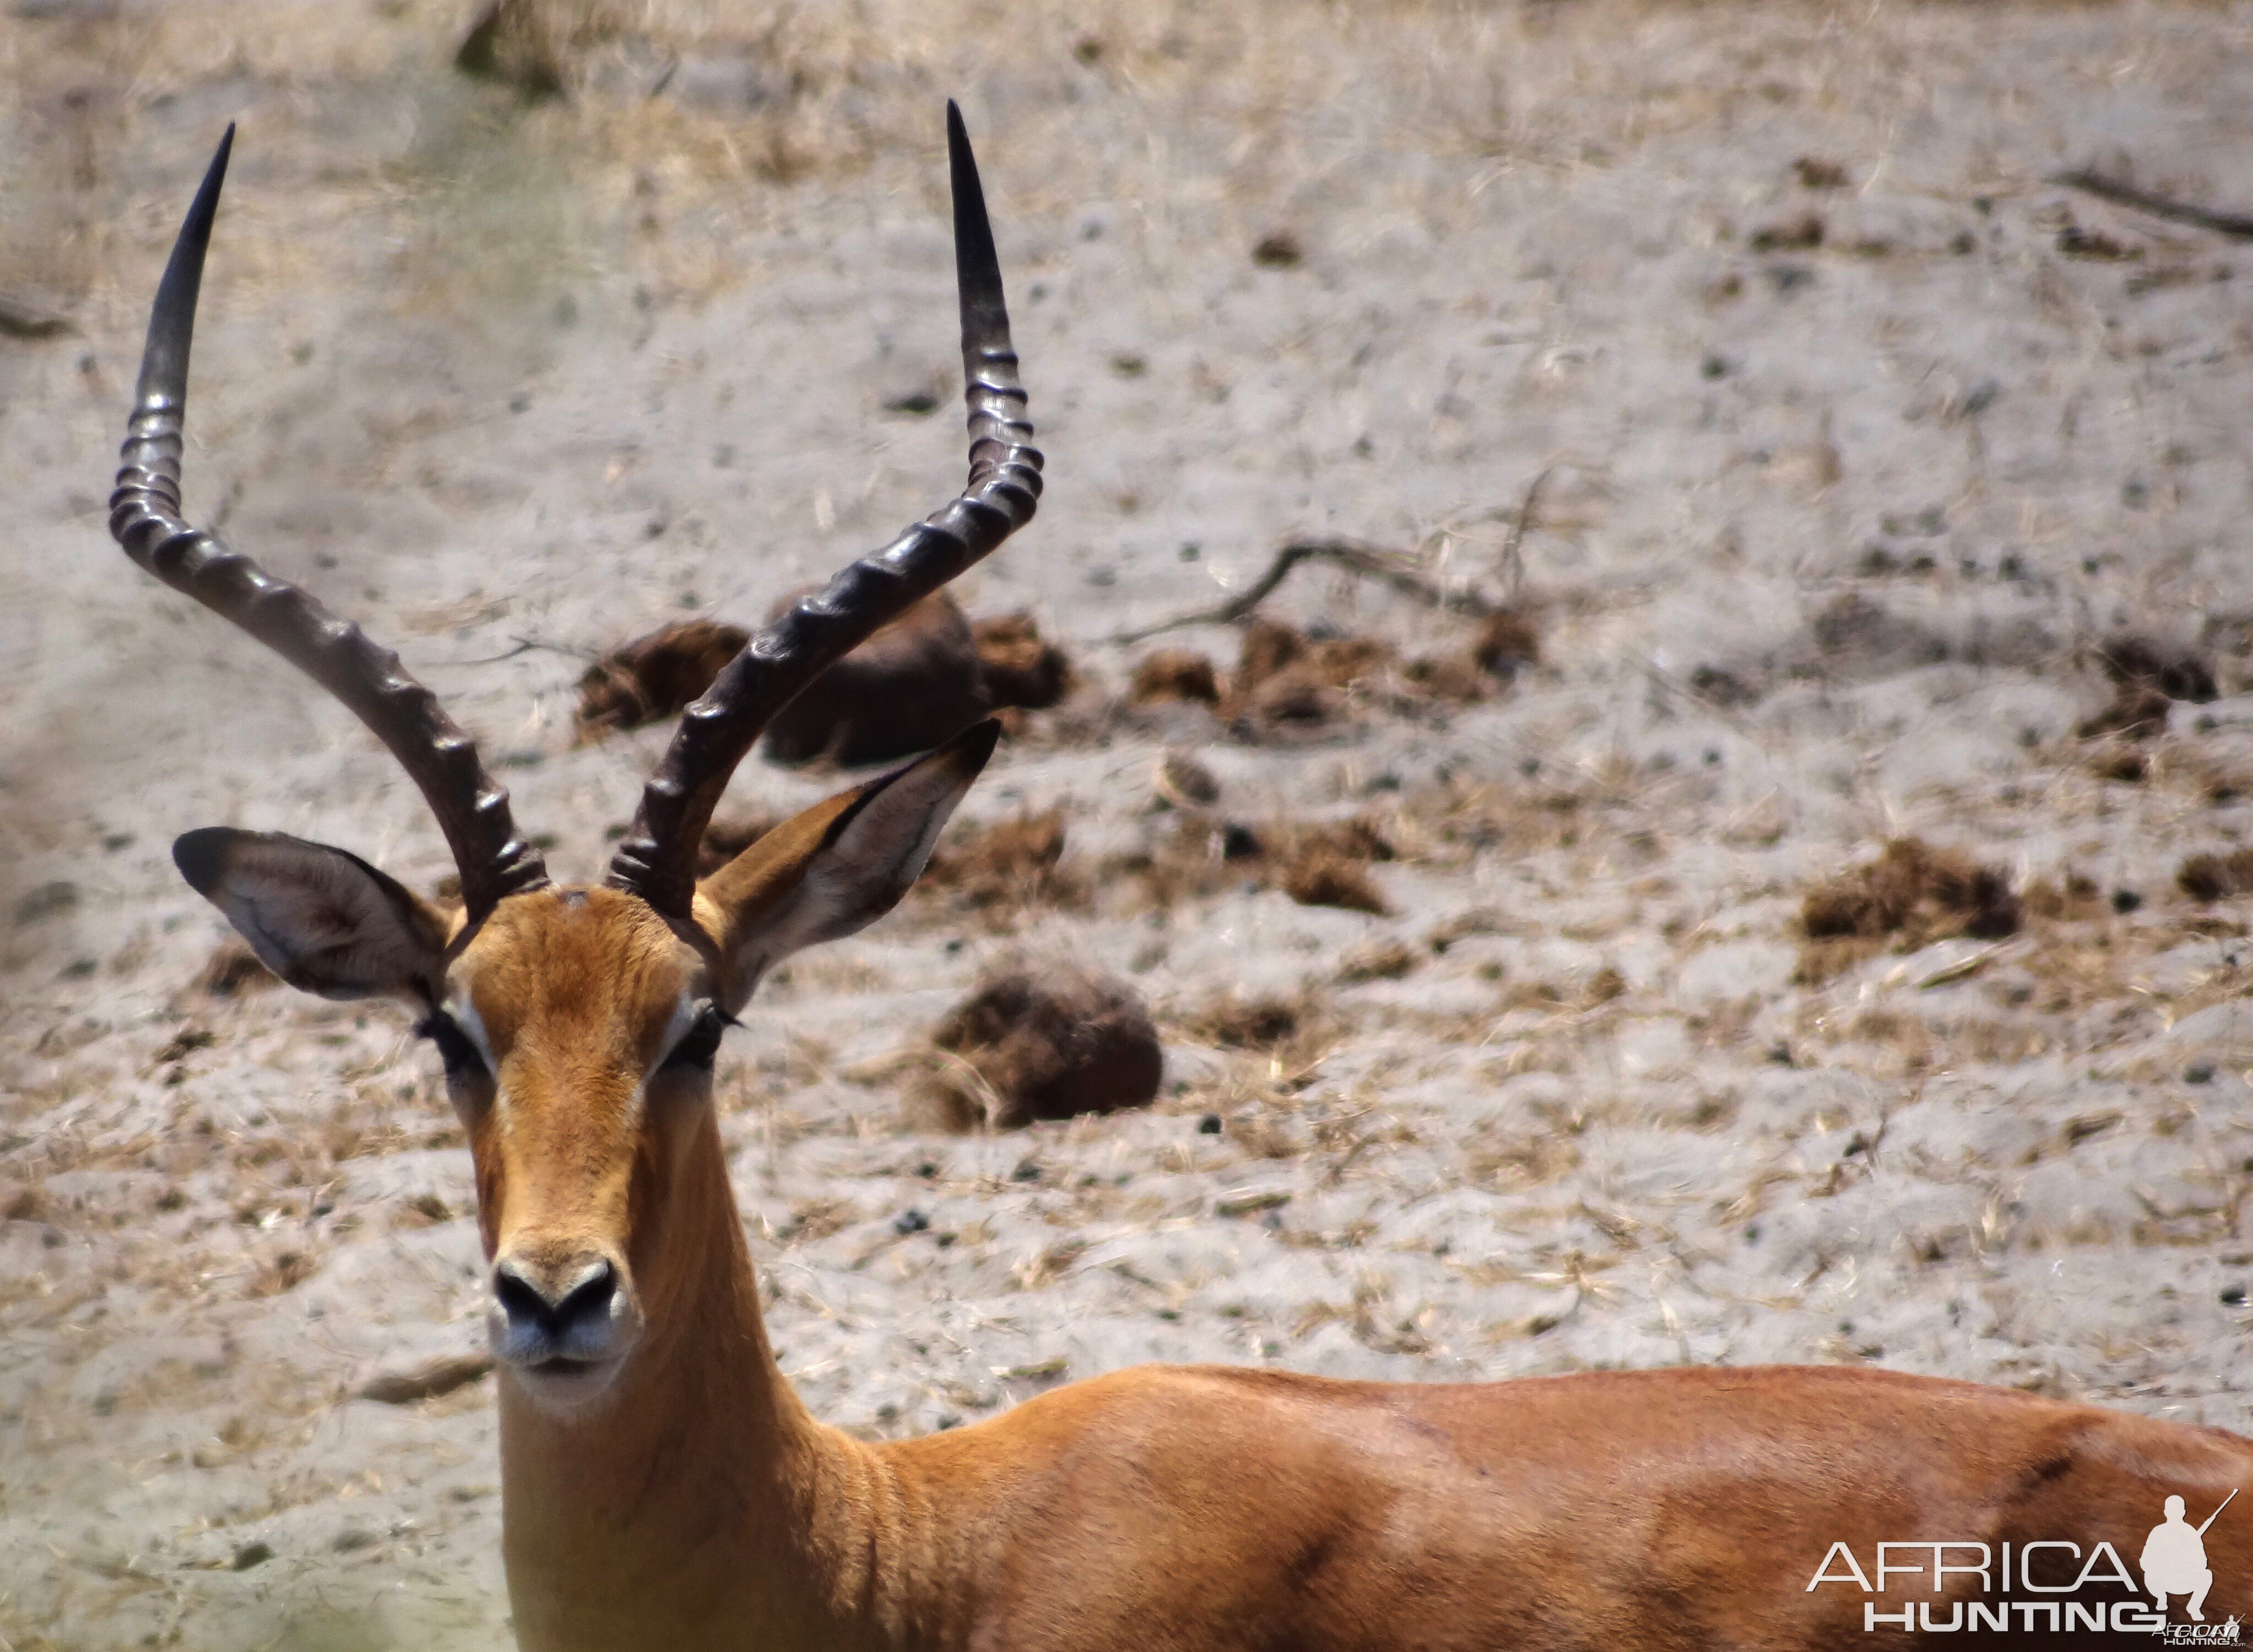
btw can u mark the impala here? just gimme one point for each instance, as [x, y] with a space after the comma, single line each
[664, 1487]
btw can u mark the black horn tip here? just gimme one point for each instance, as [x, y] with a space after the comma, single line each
[172, 322]
[976, 267]
[195, 229]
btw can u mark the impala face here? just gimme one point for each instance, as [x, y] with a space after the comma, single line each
[578, 1032]
[578, 1028]
[578, 1025]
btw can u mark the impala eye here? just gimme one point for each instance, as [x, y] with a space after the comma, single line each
[455, 1046]
[696, 1047]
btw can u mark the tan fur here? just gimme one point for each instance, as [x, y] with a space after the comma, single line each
[699, 1504]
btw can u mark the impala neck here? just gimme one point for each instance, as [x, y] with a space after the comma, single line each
[701, 1493]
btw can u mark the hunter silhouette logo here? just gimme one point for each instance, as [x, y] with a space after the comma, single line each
[2174, 1560]
[2035, 1582]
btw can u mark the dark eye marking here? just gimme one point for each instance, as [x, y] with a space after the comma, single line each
[695, 1047]
[455, 1046]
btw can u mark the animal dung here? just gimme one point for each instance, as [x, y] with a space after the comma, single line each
[1916, 890]
[1183, 783]
[1912, 894]
[2177, 674]
[516, 43]
[1175, 673]
[914, 684]
[655, 676]
[2146, 678]
[1323, 877]
[1278, 249]
[2215, 877]
[1798, 234]
[1019, 667]
[917, 682]
[1050, 1038]
[1285, 677]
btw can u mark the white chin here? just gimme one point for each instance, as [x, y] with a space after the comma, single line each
[564, 1388]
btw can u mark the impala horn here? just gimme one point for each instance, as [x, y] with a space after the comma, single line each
[144, 516]
[657, 860]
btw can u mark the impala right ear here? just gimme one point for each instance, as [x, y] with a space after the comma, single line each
[324, 921]
[838, 867]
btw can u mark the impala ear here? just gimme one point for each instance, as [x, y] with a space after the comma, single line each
[837, 867]
[324, 921]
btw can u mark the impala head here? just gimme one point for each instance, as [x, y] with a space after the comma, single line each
[578, 1024]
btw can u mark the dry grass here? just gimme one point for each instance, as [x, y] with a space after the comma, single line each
[1230, 1023]
[1380, 961]
[1506, 642]
[2073, 899]
[2137, 711]
[1286, 679]
[1006, 866]
[232, 969]
[1315, 863]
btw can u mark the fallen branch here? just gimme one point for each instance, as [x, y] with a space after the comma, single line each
[2237, 226]
[1394, 568]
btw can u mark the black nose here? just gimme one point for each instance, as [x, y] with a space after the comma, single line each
[556, 1303]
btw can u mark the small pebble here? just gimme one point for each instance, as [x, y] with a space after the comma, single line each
[909, 1220]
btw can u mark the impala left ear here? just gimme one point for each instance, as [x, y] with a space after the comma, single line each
[324, 921]
[838, 867]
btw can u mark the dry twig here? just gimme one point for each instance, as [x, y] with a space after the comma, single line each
[1395, 568]
[2237, 226]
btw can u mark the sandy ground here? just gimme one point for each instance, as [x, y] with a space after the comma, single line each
[1831, 534]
